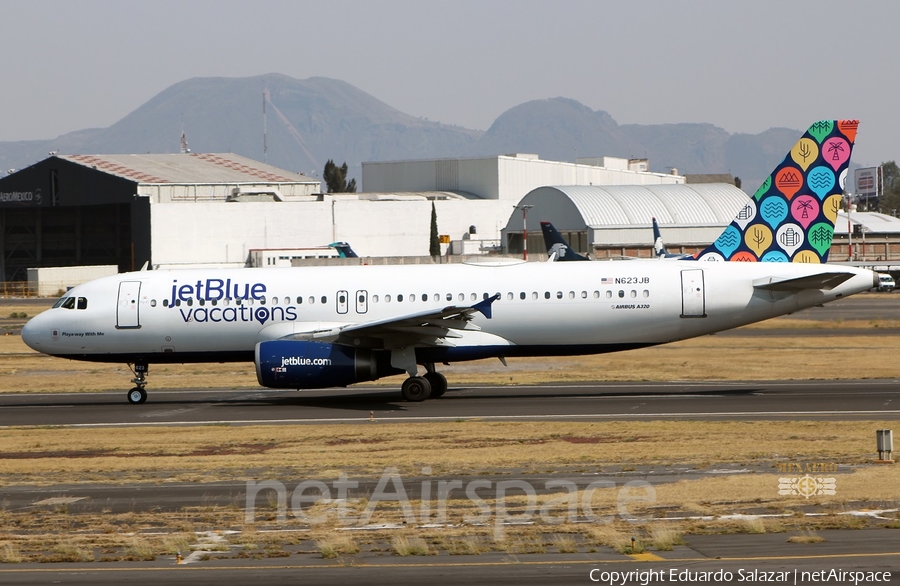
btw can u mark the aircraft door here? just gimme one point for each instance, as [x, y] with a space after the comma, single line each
[693, 293]
[342, 301]
[362, 301]
[128, 308]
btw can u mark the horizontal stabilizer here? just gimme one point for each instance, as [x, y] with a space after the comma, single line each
[826, 281]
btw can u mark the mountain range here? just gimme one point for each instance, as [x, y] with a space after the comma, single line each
[312, 120]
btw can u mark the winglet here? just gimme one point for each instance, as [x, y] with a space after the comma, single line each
[484, 306]
[791, 216]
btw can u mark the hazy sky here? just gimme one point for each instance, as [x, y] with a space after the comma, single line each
[742, 65]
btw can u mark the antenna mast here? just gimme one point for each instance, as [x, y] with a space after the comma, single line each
[265, 144]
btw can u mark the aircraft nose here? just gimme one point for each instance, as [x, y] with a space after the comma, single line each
[31, 334]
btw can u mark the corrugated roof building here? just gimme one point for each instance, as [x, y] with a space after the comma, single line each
[617, 220]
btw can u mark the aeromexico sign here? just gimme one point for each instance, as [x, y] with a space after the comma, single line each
[22, 198]
[210, 293]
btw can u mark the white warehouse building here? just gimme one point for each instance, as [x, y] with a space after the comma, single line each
[192, 209]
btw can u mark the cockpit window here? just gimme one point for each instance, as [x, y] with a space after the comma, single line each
[82, 303]
[69, 303]
[59, 302]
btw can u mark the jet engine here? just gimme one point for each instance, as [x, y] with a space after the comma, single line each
[294, 364]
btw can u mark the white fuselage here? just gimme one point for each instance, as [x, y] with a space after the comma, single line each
[544, 308]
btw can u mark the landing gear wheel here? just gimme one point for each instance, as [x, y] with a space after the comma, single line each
[416, 388]
[137, 395]
[438, 383]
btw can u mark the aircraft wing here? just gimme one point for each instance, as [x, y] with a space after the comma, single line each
[826, 281]
[425, 328]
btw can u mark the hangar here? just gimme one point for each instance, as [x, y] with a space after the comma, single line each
[614, 221]
[191, 209]
[126, 210]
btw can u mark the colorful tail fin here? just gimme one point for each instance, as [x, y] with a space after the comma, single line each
[557, 247]
[791, 216]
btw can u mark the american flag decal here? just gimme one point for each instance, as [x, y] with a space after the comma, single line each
[605, 281]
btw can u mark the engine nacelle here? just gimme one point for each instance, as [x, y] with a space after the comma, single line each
[293, 364]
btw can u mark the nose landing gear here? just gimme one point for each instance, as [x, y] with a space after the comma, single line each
[138, 395]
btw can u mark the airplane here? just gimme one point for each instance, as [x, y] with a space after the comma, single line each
[343, 249]
[557, 247]
[659, 249]
[323, 327]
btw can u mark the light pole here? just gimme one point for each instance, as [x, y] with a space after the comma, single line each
[524, 209]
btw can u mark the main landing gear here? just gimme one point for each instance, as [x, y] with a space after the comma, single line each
[138, 395]
[432, 384]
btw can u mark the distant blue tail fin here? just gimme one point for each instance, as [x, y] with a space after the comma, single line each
[557, 247]
[791, 216]
[344, 250]
[658, 247]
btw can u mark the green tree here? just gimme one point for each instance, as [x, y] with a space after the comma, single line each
[336, 178]
[890, 199]
[434, 245]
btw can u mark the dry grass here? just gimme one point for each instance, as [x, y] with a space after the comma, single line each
[809, 536]
[63, 455]
[335, 545]
[665, 537]
[406, 546]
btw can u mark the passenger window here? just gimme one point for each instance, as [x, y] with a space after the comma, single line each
[412, 297]
[202, 301]
[449, 296]
[324, 299]
[399, 298]
[387, 298]
[522, 295]
[312, 299]
[299, 300]
[571, 294]
[509, 295]
[215, 302]
[546, 294]
[534, 294]
[462, 296]
[374, 298]
[608, 294]
[646, 293]
[153, 303]
[262, 300]
[621, 293]
[274, 301]
[82, 303]
[559, 294]
[437, 296]
[190, 301]
[473, 297]
[178, 303]
[165, 303]
[584, 294]
[633, 293]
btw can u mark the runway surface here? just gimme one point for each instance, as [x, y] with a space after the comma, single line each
[748, 559]
[861, 399]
